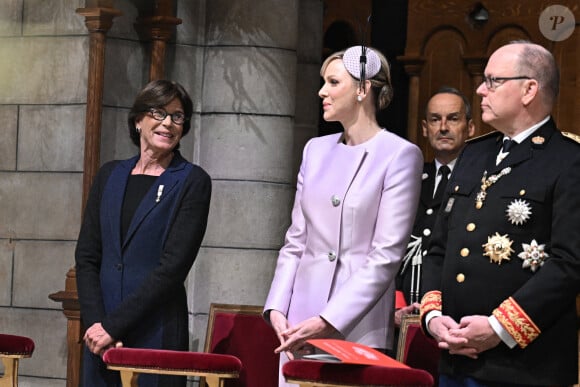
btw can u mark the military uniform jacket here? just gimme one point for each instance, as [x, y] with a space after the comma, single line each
[422, 228]
[480, 260]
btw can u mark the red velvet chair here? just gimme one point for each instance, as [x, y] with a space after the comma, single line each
[312, 373]
[416, 349]
[241, 331]
[131, 362]
[12, 349]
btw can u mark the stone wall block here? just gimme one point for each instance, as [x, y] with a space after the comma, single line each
[188, 70]
[39, 268]
[48, 330]
[249, 80]
[270, 23]
[9, 119]
[44, 70]
[10, 17]
[126, 72]
[192, 29]
[54, 17]
[124, 25]
[229, 276]
[308, 103]
[51, 138]
[247, 147]
[115, 141]
[6, 254]
[40, 205]
[309, 31]
[198, 331]
[249, 214]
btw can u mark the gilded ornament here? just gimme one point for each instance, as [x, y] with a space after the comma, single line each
[533, 255]
[498, 248]
[518, 212]
[487, 182]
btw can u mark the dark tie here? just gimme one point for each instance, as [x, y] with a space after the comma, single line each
[507, 145]
[444, 171]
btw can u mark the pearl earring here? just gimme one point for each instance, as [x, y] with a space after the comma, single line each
[359, 98]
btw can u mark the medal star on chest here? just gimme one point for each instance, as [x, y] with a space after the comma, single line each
[498, 248]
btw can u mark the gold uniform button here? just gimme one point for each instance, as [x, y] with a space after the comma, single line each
[464, 252]
[522, 192]
[460, 277]
[470, 227]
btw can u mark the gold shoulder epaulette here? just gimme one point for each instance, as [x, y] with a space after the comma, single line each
[572, 136]
[482, 137]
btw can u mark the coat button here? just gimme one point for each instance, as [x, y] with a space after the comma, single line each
[429, 211]
[331, 256]
[470, 227]
[119, 266]
[426, 232]
[460, 277]
[335, 200]
[464, 252]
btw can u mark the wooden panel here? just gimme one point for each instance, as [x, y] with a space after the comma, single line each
[444, 66]
[453, 51]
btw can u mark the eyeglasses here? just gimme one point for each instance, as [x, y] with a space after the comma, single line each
[160, 114]
[493, 83]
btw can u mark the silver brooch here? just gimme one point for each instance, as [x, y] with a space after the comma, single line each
[424, 176]
[518, 212]
[533, 255]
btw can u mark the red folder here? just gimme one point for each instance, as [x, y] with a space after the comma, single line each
[355, 353]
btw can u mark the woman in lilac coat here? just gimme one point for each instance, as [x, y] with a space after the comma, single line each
[356, 197]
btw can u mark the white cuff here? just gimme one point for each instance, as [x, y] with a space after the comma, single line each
[501, 332]
[430, 315]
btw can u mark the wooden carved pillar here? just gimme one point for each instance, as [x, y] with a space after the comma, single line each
[99, 16]
[475, 67]
[413, 67]
[157, 26]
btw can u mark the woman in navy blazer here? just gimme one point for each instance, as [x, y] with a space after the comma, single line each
[356, 197]
[142, 228]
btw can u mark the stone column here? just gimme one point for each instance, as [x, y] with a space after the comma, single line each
[246, 144]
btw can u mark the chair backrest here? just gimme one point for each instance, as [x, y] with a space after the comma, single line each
[241, 331]
[416, 349]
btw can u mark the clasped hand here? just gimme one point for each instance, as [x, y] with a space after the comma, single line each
[470, 337]
[293, 339]
[98, 340]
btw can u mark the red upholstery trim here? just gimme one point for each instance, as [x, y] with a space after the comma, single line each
[16, 345]
[172, 360]
[356, 375]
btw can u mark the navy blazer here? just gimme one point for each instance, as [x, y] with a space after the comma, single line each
[135, 287]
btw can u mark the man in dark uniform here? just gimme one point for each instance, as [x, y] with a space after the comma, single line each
[503, 268]
[447, 124]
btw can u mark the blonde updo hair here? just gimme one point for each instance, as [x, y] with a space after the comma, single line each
[381, 86]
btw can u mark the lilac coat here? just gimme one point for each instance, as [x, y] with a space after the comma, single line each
[352, 217]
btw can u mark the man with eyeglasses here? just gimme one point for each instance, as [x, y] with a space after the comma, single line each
[446, 126]
[503, 269]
